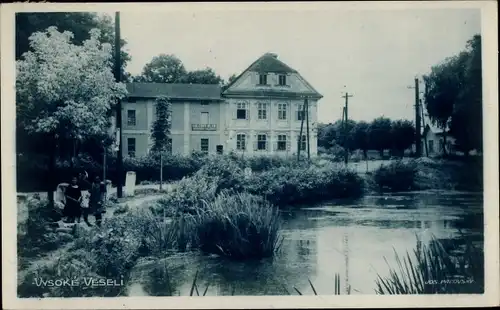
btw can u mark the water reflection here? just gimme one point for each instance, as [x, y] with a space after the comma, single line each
[351, 238]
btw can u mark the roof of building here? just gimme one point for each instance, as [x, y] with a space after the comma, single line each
[269, 63]
[175, 91]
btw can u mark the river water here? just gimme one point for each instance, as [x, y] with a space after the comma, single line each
[356, 239]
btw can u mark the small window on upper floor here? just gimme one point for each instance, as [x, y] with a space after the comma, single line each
[262, 79]
[131, 119]
[282, 80]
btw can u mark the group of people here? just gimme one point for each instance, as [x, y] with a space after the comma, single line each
[77, 205]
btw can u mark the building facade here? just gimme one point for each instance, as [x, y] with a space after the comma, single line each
[433, 142]
[260, 113]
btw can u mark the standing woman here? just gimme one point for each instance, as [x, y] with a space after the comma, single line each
[73, 199]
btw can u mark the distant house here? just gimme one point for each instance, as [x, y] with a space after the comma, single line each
[435, 140]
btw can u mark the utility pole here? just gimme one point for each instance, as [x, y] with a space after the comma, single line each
[306, 103]
[426, 91]
[119, 189]
[346, 96]
[418, 142]
[301, 130]
[425, 137]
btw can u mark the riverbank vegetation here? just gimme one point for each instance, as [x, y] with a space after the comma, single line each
[462, 174]
[433, 269]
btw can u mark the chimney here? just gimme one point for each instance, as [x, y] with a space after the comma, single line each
[272, 55]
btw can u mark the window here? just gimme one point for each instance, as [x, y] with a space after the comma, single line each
[131, 147]
[241, 111]
[303, 143]
[204, 118]
[262, 110]
[262, 79]
[261, 142]
[282, 80]
[431, 146]
[241, 142]
[220, 149]
[300, 113]
[204, 102]
[131, 120]
[282, 111]
[281, 142]
[204, 145]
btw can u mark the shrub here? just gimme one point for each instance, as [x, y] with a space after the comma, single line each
[147, 168]
[35, 236]
[188, 196]
[264, 163]
[284, 186]
[115, 245]
[396, 176]
[223, 171]
[121, 209]
[238, 226]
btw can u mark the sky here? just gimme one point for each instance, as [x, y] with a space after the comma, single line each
[374, 55]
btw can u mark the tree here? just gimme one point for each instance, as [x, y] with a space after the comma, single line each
[64, 91]
[78, 23]
[453, 96]
[164, 69]
[402, 135]
[466, 120]
[205, 76]
[326, 135]
[442, 89]
[160, 131]
[360, 137]
[344, 134]
[232, 78]
[379, 134]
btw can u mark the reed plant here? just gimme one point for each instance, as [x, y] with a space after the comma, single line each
[434, 270]
[238, 226]
[337, 288]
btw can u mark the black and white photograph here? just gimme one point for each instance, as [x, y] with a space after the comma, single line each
[263, 149]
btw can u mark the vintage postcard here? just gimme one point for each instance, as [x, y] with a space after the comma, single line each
[249, 155]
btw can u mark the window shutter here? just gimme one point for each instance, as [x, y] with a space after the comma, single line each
[275, 146]
[267, 144]
[235, 111]
[255, 145]
[288, 146]
[247, 114]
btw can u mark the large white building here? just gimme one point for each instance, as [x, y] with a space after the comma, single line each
[259, 112]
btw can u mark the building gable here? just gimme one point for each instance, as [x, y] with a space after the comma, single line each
[277, 73]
